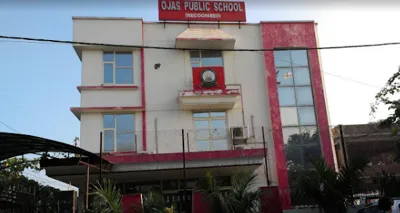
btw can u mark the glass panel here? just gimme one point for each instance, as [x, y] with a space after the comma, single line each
[201, 115]
[123, 76]
[310, 135]
[194, 56]
[282, 58]
[304, 96]
[108, 56]
[211, 58]
[108, 73]
[126, 142]
[286, 96]
[201, 124]
[299, 58]
[202, 129]
[313, 151]
[289, 116]
[293, 155]
[108, 145]
[203, 145]
[218, 124]
[220, 144]
[195, 64]
[123, 59]
[125, 123]
[306, 115]
[301, 76]
[218, 133]
[284, 76]
[289, 133]
[218, 114]
[108, 121]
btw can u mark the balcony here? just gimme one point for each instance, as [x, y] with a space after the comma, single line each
[208, 99]
[202, 148]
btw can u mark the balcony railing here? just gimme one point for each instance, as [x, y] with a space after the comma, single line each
[172, 141]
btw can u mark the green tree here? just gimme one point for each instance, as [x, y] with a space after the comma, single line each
[239, 199]
[387, 183]
[106, 197]
[332, 191]
[12, 168]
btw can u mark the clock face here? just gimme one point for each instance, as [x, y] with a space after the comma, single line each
[208, 76]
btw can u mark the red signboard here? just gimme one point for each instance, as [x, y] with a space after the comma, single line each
[219, 83]
[190, 10]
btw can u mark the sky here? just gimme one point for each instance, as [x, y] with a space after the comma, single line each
[38, 80]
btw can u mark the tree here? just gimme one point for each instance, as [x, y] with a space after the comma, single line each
[387, 183]
[332, 191]
[240, 199]
[12, 168]
[106, 197]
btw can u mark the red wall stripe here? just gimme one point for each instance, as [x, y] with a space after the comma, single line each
[280, 35]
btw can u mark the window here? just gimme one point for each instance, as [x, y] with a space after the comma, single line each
[118, 67]
[206, 58]
[296, 100]
[210, 131]
[119, 133]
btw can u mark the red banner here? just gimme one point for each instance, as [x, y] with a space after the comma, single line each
[189, 10]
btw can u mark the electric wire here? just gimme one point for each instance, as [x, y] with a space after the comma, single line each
[175, 48]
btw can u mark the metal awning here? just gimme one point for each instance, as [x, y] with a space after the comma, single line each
[12, 145]
[205, 38]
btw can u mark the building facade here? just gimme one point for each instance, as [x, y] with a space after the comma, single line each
[152, 95]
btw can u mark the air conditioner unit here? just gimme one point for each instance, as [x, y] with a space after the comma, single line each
[240, 134]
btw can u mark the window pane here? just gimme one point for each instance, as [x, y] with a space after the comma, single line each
[306, 115]
[126, 142]
[304, 96]
[299, 58]
[108, 121]
[201, 124]
[125, 123]
[201, 115]
[211, 54]
[286, 96]
[313, 151]
[218, 133]
[123, 59]
[310, 135]
[194, 56]
[211, 58]
[108, 145]
[124, 76]
[289, 135]
[108, 73]
[289, 116]
[220, 144]
[282, 58]
[218, 124]
[284, 76]
[108, 56]
[203, 145]
[293, 155]
[195, 64]
[218, 114]
[202, 129]
[301, 76]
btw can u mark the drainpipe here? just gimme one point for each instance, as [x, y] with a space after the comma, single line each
[241, 100]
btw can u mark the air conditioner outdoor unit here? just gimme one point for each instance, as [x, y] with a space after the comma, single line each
[240, 134]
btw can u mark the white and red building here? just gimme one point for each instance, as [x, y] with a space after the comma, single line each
[141, 99]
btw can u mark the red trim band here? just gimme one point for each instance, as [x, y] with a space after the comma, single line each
[143, 85]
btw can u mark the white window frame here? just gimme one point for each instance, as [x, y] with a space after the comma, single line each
[115, 130]
[115, 67]
[200, 57]
[210, 118]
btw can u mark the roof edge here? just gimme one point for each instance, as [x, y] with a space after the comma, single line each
[103, 18]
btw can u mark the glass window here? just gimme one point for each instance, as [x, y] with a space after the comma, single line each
[282, 58]
[210, 131]
[304, 96]
[119, 133]
[301, 76]
[206, 58]
[306, 116]
[294, 155]
[123, 59]
[310, 135]
[286, 96]
[118, 67]
[299, 58]
[289, 116]
[108, 73]
[284, 76]
[289, 133]
[313, 151]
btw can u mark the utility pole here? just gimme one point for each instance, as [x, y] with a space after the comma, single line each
[343, 147]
